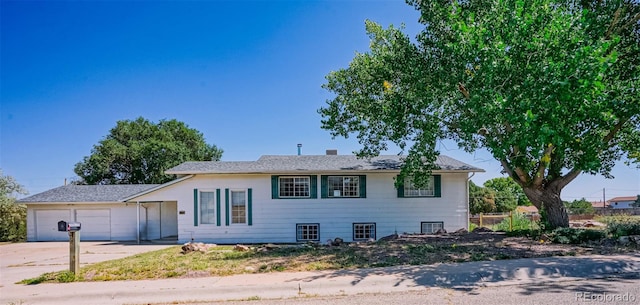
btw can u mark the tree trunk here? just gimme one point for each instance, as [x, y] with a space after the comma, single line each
[550, 205]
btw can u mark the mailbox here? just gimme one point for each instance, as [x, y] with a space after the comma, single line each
[62, 226]
[73, 226]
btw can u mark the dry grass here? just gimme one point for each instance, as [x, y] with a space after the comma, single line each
[411, 250]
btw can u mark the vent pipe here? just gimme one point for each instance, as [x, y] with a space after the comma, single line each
[299, 146]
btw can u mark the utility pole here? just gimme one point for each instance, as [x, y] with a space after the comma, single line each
[604, 201]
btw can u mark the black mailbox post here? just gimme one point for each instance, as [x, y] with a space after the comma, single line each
[74, 243]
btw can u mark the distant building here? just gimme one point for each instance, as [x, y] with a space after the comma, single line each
[622, 202]
[599, 204]
[529, 210]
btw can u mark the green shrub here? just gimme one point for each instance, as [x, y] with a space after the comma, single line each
[66, 277]
[472, 226]
[575, 235]
[520, 222]
[617, 229]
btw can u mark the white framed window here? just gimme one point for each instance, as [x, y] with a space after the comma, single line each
[238, 206]
[343, 186]
[207, 207]
[429, 227]
[426, 191]
[307, 231]
[364, 231]
[294, 187]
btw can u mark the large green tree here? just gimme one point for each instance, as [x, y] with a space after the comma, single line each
[139, 151]
[549, 88]
[481, 199]
[509, 194]
[13, 217]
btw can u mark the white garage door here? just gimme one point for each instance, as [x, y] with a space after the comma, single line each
[96, 224]
[47, 224]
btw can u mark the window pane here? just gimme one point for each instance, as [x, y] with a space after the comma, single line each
[307, 232]
[364, 231]
[348, 186]
[207, 207]
[294, 186]
[411, 191]
[238, 207]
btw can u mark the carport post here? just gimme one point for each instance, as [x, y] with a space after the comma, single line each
[138, 222]
[74, 252]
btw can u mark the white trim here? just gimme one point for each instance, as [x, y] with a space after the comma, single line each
[172, 182]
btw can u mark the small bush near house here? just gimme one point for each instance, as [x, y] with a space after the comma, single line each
[575, 235]
[520, 222]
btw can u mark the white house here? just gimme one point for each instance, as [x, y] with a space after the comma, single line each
[280, 199]
[622, 202]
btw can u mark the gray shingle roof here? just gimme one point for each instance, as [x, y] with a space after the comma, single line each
[88, 193]
[308, 163]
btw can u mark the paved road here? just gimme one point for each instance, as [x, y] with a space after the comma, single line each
[625, 290]
[452, 277]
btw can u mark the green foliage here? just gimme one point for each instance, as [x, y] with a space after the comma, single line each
[13, 217]
[141, 151]
[575, 235]
[481, 199]
[66, 277]
[637, 203]
[548, 87]
[520, 222]
[622, 225]
[509, 194]
[581, 206]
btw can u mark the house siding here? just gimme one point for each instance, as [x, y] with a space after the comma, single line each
[274, 220]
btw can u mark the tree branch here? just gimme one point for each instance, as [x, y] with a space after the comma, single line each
[564, 180]
[612, 133]
[542, 166]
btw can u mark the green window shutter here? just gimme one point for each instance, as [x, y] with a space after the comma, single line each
[195, 207]
[249, 208]
[400, 188]
[313, 180]
[274, 187]
[226, 206]
[437, 186]
[218, 217]
[324, 187]
[363, 186]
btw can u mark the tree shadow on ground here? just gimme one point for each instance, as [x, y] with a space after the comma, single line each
[540, 274]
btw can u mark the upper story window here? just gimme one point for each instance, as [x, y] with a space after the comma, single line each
[344, 186]
[294, 187]
[431, 189]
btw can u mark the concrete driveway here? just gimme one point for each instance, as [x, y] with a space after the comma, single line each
[27, 260]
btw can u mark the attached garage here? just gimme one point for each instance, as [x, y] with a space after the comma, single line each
[99, 208]
[96, 224]
[46, 224]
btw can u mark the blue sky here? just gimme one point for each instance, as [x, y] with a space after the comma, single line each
[247, 74]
